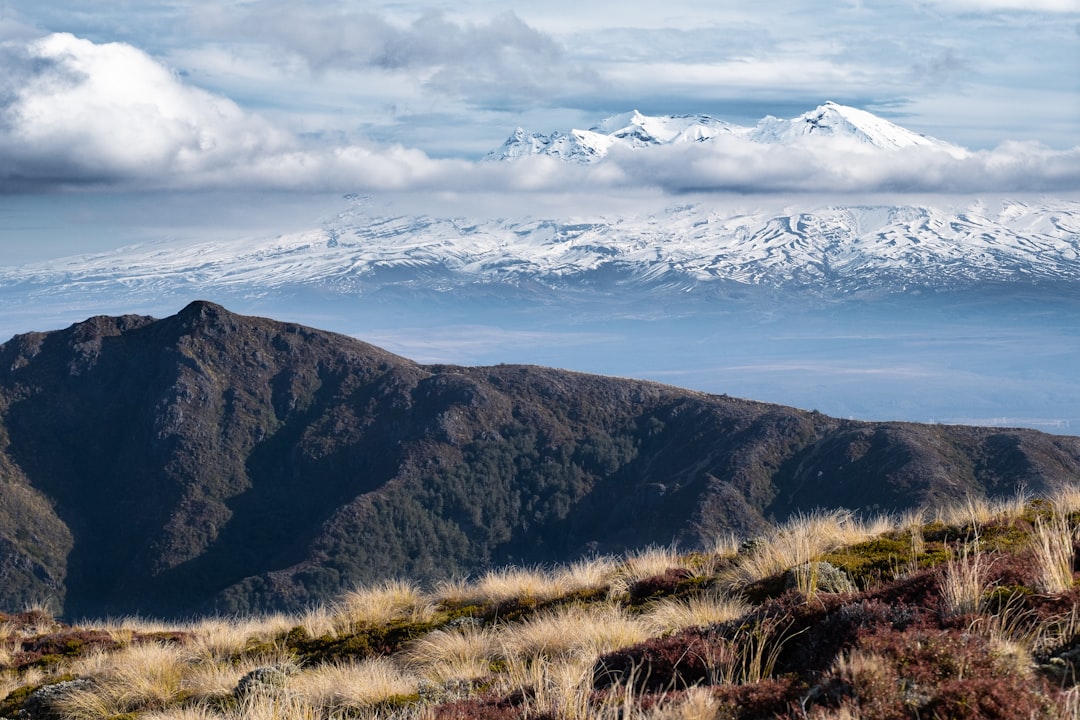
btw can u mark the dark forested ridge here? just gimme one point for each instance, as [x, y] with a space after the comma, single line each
[215, 462]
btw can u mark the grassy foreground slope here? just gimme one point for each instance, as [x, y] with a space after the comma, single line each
[970, 612]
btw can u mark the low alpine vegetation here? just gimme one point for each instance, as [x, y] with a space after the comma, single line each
[968, 613]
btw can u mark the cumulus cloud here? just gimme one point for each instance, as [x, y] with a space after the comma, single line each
[73, 112]
[502, 61]
[735, 164]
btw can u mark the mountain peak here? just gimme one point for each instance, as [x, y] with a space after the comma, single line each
[200, 312]
[636, 131]
[831, 119]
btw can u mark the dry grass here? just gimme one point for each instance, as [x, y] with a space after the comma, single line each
[342, 687]
[671, 614]
[590, 574]
[547, 656]
[798, 543]
[564, 690]
[504, 584]
[650, 562]
[140, 677]
[207, 678]
[254, 707]
[225, 638]
[391, 601]
[964, 580]
[317, 621]
[571, 630]
[11, 680]
[1054, 553]
[531, 584]
[561, 689]
[697, 704]
[446, 656]
[976, 511]
[751, 655]
[1065, 498]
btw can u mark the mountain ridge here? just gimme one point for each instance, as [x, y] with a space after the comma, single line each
[215, 462]
[834, 251]
[634, 131]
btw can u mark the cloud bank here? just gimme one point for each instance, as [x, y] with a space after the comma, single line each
[76, 113]
[502, 61]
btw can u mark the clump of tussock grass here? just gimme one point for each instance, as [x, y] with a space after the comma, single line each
[342, 687]
[140, 677]
[448, 656]
[571, 630]
[389, 602]
[964, 580]
[800, 543]
[975, 511]
[1054, 552]
[670, 615]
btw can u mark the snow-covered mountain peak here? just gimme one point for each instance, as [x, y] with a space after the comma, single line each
[636, 131]
[842, 121]
[632, 130]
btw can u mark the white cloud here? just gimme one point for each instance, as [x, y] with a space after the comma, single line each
[502, 61]
[735, 164]
[75, 112]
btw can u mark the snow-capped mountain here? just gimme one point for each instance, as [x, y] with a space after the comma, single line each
[636, 131]
[632, 130]
[832, 250]
[840, 121]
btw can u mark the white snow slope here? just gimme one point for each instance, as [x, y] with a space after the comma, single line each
[834, 250]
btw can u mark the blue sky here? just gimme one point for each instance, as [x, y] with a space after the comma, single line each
[455, 83]
[404, 96]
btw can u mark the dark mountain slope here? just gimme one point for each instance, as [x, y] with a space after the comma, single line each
[210, 461]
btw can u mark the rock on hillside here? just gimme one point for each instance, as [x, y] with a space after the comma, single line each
[215, 462]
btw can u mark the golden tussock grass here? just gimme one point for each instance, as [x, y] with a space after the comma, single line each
[445, 656]
[391, 601]
[670, 615]
[345, 686]
[546, 654]
[208, 678]
[572, 630]
[1065, 498]
[650, 562]
[140, 677]
[225, 638]
[975, 511]
[254, 707]
[511, 583]
[802, 540]
[964, 580]
[589, 574]
[1054, 553]
[697, 704]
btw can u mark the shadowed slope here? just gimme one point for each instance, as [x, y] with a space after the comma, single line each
[215, 461]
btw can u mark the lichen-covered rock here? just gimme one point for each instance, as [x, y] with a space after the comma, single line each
[42, 704]
[822, 576]
[264, 680]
